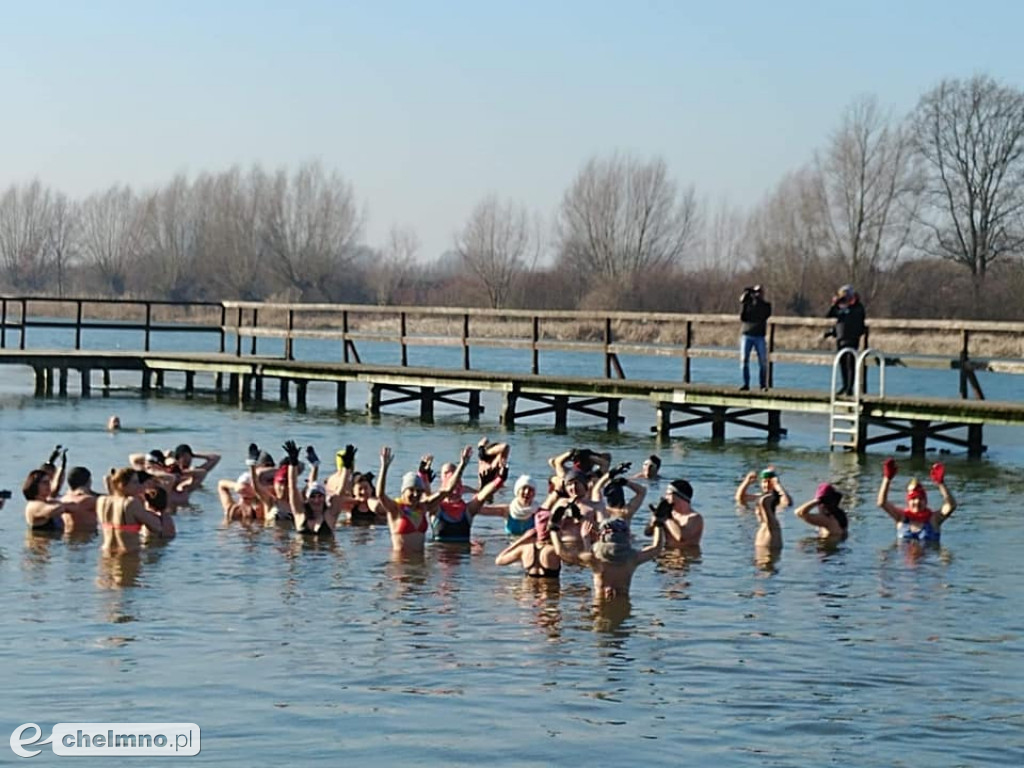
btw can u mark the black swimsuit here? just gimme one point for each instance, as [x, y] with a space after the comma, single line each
[361, 516]
[545, 573]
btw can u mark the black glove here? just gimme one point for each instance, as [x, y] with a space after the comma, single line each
[427, 471]
[503, 473]
[620, 469]
[54, 454]
[64, 457]
[829, 334]
[348, 458]
[292, 451]
[481, 452]
[311, 456]
[556, 518]
[253, 458]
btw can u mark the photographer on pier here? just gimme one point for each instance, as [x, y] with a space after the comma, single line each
[848, 311]
[754, 314]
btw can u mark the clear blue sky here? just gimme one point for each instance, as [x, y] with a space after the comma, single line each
[428, 106]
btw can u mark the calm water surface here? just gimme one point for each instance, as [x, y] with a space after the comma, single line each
[285, 652]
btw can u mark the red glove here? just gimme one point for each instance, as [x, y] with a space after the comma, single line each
[938, 472]
[890, 467]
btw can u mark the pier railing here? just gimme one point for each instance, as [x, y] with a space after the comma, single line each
[237, 327]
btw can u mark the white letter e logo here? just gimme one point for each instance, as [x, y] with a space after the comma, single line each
[17, 740]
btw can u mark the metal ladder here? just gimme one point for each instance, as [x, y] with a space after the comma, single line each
[845, 411]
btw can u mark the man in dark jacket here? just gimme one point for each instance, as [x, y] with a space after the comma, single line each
[754, 314]
[848, 311]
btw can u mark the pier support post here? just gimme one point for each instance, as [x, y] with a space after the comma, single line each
[613, 415]
[508, 409]
[233, 386]
[106, 382]
[373, 399]
[718, 422]
[775, 432]
[190, 384]
[283, 396]
[341, 396]
[40, 376]
[86, 382]
[918, 437]
[975, 448]
[427, 403]
[474, 405]
[63, 382]
[300, 393]
[159, 380]
[561, 408]
[48, 380]
[218, 383]
[663, 421]
[245, 388]
[258, 383]
[147, 381]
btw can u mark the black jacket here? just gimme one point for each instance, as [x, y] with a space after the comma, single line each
[849, 323]
[754, 316]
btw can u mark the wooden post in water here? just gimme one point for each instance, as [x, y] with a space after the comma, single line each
[300, 393]
[48, 380]
[63, 382]
[190, 384]
[427, 403]
[918, 437]
[663, 420]
[613, 414]
[718, 422]
[341, 396]
[147, 381]
[774, 424]
[975, 448]
[245, 388]
[159, 380]
[508, 408]
[232, 387]
[373, 399]
[259, 388]
[40, 377]
[86, 382]
[474, 405]
[218, 382]
[283, 395]
[561, 407]
[106, 382]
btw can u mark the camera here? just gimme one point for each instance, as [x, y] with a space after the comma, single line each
[622, 468]
[663, 511]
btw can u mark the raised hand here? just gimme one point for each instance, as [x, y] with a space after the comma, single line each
[466, 453]
[54, 454]
[253, 458]
[348, 458]
[292, 451]
[311, 456]
[938, 472]
[386, 456]
[890, 468]
[426, 470]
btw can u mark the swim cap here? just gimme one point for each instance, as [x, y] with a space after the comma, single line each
[281, 476]
[768, 473]
[916, 491]
[615, 531]
[316, 488]
[244, 479]
[524, 481]
[827, 494]
[411, 480]
[540, 523]
[682, 489]
[614, 495]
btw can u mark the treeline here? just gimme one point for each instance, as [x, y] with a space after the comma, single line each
[922, 213]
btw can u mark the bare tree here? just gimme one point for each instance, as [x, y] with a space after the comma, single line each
[62, 243]
[113, 236]
[869, 191]
[172, 240]
[24, 226]
[621, 216]
[970, 136]
[721, 244]
[311, 225]
[390, 270]
[789, 235]
[497, 243]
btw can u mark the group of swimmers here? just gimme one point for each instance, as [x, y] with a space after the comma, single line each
[583, 517]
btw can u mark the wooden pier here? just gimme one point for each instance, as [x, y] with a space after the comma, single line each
[239, 371]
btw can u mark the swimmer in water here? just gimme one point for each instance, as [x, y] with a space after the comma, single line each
[917, 521]
[824, 512]
[114, 424]
[534, 550]
[770, 481]
[612, 558]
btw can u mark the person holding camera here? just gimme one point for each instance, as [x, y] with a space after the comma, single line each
[754, 314]
[684, 526]
[609, 494]
[848, 311]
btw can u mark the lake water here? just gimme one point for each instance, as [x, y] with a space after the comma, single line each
[287, 653]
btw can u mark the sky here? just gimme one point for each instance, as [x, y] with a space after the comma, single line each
[427, 107]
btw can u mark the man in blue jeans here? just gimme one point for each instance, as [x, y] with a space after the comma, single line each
[754, 314]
